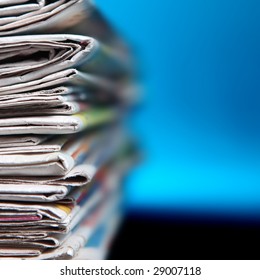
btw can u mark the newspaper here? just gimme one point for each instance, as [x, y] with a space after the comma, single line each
[40, 192]
[33, 193]
[90, 156]
[38, 57]
[59, 124]
[48, 144]
[14, 142]
[46, 102]
[49, 163]
[23, 15]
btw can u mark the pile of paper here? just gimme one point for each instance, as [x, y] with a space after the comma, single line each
[63, 148]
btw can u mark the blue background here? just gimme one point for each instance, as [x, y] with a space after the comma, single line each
[200, 122]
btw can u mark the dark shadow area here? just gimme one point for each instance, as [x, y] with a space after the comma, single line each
[184, 238]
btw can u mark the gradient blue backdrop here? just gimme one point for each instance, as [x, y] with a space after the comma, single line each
[200, 123]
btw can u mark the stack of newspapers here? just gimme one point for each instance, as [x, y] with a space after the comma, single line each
[63, 147]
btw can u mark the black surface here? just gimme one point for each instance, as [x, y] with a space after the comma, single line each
[184, 238]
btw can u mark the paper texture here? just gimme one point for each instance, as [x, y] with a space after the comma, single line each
[43, 58]
[57, 124]
[48, 163]
[21, 141]
[23, 16]
[56, 101]
[87, 155]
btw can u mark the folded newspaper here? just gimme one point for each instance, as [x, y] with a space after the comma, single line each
[89, 157]
[49, 163]
[50, 103]
[60, 124]
[27, 59]
[27, 15]
[14, 142]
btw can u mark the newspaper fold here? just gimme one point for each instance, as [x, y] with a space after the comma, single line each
[56, 101]
[32, 145]
[49, 163]
[33, 193]
[29, 60]
[27, 15]
[14, 142]
[57, 124]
